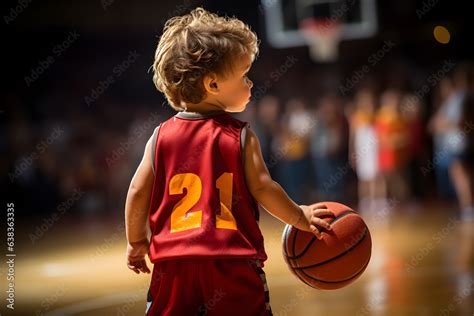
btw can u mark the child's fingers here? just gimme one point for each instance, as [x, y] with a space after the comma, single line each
[316, 231]
[132, 267]
[144, 267]
[138, 265]
[320, 222]
[321, 212]
[319, 205]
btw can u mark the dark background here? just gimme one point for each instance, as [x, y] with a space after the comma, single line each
[109, 31]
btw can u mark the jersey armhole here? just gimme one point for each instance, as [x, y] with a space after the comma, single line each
[153, 147]
[243, 141]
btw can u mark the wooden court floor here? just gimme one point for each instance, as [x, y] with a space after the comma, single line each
[422, 264]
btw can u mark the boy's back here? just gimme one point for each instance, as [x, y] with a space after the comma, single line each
[198, 168]
[206, 176]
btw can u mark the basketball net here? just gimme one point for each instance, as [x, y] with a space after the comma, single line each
[322, 36]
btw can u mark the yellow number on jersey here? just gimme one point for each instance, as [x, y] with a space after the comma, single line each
[182, 218]
[225, 219]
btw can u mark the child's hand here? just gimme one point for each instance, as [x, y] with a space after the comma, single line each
[136, 252]
[313, 222]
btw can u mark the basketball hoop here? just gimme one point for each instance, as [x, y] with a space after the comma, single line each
[323, 37]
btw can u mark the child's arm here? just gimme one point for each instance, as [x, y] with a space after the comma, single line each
[273, 198]
[136, 212]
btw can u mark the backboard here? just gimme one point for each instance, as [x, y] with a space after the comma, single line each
[283, 19]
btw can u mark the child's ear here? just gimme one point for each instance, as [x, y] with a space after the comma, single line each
[210, 83]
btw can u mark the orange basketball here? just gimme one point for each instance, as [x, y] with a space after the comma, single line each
[336, 260]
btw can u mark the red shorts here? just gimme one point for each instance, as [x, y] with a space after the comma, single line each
[188, 287]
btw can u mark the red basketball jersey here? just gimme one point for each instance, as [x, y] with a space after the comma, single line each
[200, 204]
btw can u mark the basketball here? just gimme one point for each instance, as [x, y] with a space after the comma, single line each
[335, 261]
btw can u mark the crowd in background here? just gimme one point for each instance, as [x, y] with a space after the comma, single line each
[381, 142]
[383, 136]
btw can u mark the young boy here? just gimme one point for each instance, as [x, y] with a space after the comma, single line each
[202, 177]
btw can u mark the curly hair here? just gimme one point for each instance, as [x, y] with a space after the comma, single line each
[194, 45]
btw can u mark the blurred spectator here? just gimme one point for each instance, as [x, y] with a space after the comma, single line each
[468, 123]
[267, 124]
[392, 136]
[363, 147]
[412, 114]
[293, 144]
[328, 149]
[448, 125]
[440, 157]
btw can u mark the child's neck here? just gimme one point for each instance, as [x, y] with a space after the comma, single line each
[203, 107]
